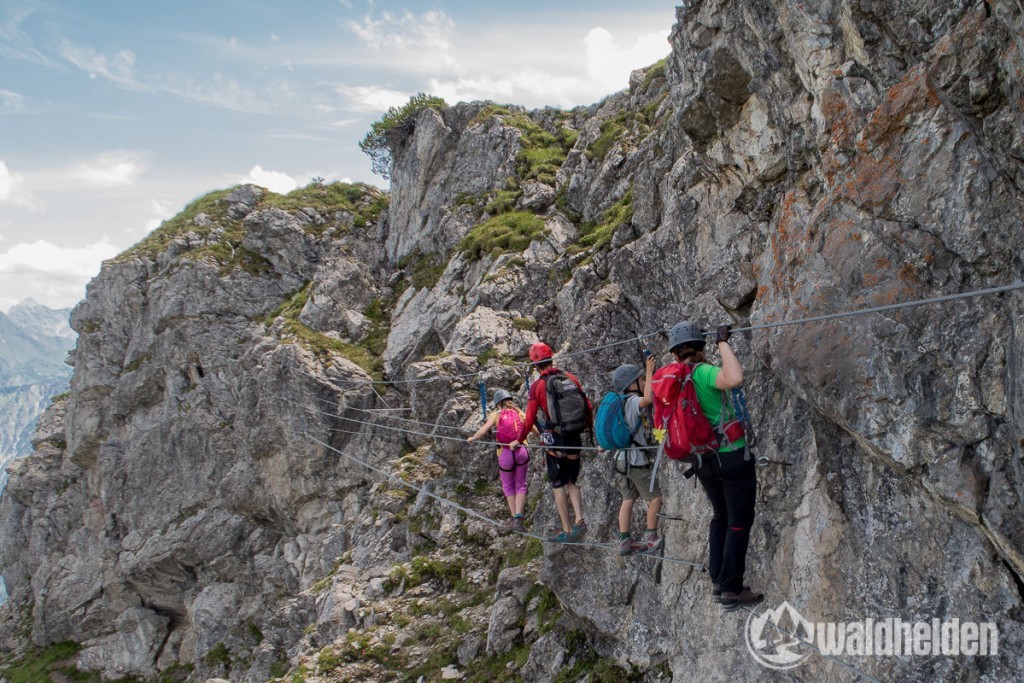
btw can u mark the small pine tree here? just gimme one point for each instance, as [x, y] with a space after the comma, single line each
[375, 144]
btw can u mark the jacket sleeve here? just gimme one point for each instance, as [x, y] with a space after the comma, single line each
[531, 411]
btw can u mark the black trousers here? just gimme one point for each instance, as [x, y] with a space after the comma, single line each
[730, 483]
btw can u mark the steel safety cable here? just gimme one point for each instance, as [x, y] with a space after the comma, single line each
[442, 436]
[473, 513]
[763, 326]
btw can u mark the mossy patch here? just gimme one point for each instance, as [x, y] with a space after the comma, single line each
[542, 151]
[654, 72]
[364, 202]
[218, 655]
[218, 237]
[525, 324]
[423, 270]
[213, 206]
[597, 236]
[528, 550]
[36, 666]
[322, 345]
[422, 569]
[509, 232]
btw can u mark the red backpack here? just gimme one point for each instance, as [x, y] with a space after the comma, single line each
[687, 432]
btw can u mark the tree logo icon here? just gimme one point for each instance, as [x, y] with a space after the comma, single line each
[774, 637]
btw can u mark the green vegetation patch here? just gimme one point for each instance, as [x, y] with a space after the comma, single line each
[423, 569]
[654, 72]
[213, 204]
[525, 324]
[611, 131]
[423, 270]
[542, 152]
[396, 121]
[504, 668]
[529, 550]
[366, 354]
[508, 232]
[597, 236]
[219, 655]
[224, 247]
[502, 201]
[364, 202]
[35, 667]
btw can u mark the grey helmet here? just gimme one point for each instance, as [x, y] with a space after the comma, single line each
[684, 332]
[501, 395]
[624, 376]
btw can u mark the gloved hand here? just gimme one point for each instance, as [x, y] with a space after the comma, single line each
[723, 334]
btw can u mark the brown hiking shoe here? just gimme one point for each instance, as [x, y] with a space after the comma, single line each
[745, 598]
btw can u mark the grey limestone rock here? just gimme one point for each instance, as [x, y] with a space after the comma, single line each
[787, 160]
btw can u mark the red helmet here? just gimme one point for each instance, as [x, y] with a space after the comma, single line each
[540, 351]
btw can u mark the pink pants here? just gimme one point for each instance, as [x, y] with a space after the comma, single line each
[512, 468]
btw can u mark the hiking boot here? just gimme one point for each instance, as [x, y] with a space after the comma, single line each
[745, 598]
[579, 529]
[509, 525]
[716, 593]
[628, 546]
[650, 542]
[563, 537]
[518, 525]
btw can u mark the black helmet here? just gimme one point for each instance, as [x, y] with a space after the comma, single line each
[684, 332]
[624, 376]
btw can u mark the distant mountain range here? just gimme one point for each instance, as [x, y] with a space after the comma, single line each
[34, 342]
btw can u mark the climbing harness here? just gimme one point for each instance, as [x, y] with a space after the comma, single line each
[739, 405]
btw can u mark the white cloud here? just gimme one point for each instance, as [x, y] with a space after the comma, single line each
[275, 181]
[610, 65]
[5, 303]
[283, 183]
[15, 42]
[162, 210]
[46, 258]
[218, 91]
[12, 100]
[541, 73]
[110, 169]
[119, 67]
[13, 189]
[372, 98]
[405, 31]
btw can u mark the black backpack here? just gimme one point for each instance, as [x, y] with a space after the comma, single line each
[567, 406]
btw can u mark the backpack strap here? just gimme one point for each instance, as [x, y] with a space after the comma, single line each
[557, 417]
[657, 461]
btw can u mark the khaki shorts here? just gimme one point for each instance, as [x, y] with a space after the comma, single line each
[637, 484]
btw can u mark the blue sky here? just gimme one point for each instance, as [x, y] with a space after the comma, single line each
[114, 115]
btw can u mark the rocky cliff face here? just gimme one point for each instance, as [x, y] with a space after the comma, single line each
[785, 161]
